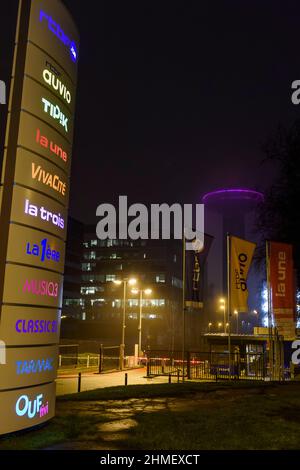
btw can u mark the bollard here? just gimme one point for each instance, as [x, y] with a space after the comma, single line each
[170, 378]
[100, 359]
[126, 379]
[79, 383]
[178, 375]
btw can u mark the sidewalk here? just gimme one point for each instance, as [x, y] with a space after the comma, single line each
[90, 381]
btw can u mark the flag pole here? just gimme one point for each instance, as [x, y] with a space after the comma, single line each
[183, 302]
[229, 304]
[270, 326]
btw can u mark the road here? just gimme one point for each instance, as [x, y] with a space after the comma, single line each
[68, 383]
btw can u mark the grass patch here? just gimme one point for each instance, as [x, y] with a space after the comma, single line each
[246, 426]
[158, 390]
[244, 416]
[60, 429]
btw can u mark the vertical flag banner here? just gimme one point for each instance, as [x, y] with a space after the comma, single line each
[195, 262]
[281, 268]
[241, 254]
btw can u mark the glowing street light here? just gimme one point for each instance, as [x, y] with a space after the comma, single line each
[222, 303]
[209, 326]
[220, 325]
[141, 292]
[131, 282]
[256, 313]
[237, 321]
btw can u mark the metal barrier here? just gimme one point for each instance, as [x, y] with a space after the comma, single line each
[207, 365]
[165, 363]
[80, 360]
[68, 355]
[109, 358]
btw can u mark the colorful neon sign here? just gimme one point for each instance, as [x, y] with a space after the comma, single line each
[31, 408]
[43, 141]
[43, 251]
[35, 366]
[57, 30]
[41, 287]
[52, 80]
[47, 178]
[48, 216]
[36, 326]
[56, 113]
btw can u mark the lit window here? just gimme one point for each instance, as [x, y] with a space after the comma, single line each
[132, 316]
[89, 290]
[160, 278]
[83, 316]
[97, 302]
[153, 302]
[176, 282]
[87, 266]
[73, 302]
[94, 242]
[110, 277]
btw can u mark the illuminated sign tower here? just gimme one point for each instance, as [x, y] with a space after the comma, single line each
[34, 206]
[233, 204]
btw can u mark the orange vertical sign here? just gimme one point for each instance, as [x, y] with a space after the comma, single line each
[282, 287]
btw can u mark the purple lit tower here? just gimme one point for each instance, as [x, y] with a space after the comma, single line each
[233, 206]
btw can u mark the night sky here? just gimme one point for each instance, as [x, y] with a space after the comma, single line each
[175, 98]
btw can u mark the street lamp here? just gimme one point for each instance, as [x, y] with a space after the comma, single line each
[226, 327]
[237, 321]
[256, 313]
[219, 325]
[130, 282]
[222, 303]
[209, 326]
[147, 292]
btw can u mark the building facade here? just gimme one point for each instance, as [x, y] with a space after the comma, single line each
[93, 303]
[72, 299]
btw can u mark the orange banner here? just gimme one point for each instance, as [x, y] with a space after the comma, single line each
[241, 254]
[281, 275]
[281, 272]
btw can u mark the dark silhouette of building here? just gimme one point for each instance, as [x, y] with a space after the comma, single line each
[230, 211]
[72, 299]
[93, 303]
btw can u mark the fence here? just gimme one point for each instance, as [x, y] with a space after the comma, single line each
[107, 359]
[68, 355]
[207, 365]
